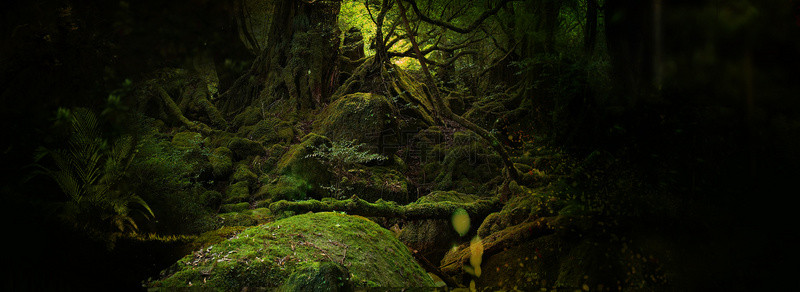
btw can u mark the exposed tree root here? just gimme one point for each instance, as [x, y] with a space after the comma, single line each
[453, 263]
[175, 111]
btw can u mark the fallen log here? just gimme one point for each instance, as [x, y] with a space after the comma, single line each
[414, 211]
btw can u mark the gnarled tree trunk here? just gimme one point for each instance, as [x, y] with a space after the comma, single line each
[297, 60]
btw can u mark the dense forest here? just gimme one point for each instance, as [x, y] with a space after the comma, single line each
[324, 145]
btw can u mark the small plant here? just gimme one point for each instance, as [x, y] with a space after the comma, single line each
[341, 156]
[90, 171]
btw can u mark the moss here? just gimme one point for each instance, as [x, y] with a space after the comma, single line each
[221, 162]
[294, 163]
[235, 207]
[243, 148]
[244, 174]
[212, 237]
[285, 187]
[270, 130]
[378, 182]
[368, 118]
[211, 198]
[448, 196]
[266, 163]
[237, 217]
[261, 214]
[319, 276]
[267, 255]
[238, 192]
[187, 140]
[249, 116]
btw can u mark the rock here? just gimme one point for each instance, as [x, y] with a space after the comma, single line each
[285, 187]
[187, 140]
[243, 173]
[221, 162]
[310, 171]
[378, 182]
[243, 148]
[319, 276]
[368, 118]
[238, 192]
[270, 254]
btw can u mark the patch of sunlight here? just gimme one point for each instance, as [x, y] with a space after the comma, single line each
[460, 220]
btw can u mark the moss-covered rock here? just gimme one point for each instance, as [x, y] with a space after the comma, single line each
[269, 130]
[237, 217]
[237, 192]
[296, 164]
[267, 255]
[368, 118]
[187, 140]
[235, 207]
[377, 182]
[243, 173]
[221, 162]
[433, 238]
[319, 276]
[285, 187]
[212, 237]
[211, 198]
[243, 148]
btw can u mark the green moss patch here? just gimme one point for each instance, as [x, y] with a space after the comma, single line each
[221, 162]
[368, 118]
[285, 187]
[187, 140]
[295, 163]
[238, 192]
[267, 255]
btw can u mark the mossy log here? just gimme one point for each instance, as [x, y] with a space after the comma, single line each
[413, 211]
[454, 262]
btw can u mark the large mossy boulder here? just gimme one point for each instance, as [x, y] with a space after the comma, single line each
[319, 276]
[282, 252]
[309, 171]
[368, 118]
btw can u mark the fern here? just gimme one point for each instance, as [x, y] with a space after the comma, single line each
[90, 174]
[339, 157]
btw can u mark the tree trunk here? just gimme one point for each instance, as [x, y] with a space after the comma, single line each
[630, 46]
[297, 62]
[590, 32]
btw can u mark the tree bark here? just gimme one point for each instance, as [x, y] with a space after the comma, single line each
[298, 61]
[590, 32]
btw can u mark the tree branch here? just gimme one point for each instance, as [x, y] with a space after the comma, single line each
[471, 27]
